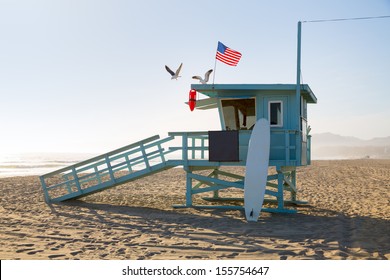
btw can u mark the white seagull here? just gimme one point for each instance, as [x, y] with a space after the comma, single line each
[174, 75]
[206, 77]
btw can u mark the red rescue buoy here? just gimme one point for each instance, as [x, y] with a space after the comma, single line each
[192, 99]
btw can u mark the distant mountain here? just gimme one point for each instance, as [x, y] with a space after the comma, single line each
[329, 145]
[330, 139]
[382, 141]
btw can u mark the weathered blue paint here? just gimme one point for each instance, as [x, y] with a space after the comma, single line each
[288, 146]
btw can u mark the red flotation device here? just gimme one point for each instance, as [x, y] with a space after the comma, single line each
[192, 99]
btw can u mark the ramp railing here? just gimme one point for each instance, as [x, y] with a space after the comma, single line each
[193, 145]
[107, 170]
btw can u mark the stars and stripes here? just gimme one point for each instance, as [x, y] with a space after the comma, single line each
[227, 55]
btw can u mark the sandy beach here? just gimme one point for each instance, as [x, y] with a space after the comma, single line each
[348, 217]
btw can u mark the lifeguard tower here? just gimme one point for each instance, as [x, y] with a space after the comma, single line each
[239, 107]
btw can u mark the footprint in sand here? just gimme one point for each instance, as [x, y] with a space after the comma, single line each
[26, 245]
[74, 253]
[34, 252]
[24, 250]
[56, 256]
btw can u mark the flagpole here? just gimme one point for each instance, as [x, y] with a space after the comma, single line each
[215, 68]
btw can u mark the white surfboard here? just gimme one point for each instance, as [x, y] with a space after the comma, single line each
[256, 169]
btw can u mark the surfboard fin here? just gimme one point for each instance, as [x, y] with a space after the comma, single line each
[251, 214]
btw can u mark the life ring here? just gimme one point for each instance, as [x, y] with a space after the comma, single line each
[192, 99]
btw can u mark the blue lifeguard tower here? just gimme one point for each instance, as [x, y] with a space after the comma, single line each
[239, 107]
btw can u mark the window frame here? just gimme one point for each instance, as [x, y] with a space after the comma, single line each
[281, 113]
[236, 98]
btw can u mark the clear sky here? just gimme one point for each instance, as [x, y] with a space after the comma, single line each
[88, 76]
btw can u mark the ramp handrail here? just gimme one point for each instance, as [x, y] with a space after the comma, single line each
[105, 170]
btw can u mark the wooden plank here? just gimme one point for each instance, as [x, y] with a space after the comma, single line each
[217, 181]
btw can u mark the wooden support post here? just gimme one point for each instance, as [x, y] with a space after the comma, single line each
[294, 182]
[188, 188]
[216, 193]
[44, 187]
[280, 188]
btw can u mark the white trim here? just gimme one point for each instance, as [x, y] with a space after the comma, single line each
[281, 113]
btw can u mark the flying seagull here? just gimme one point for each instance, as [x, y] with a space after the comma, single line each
[174, 75]
[206, 77]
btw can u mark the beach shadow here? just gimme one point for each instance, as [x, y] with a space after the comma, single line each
[323, 234]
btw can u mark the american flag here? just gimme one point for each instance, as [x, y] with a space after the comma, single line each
[227, 55]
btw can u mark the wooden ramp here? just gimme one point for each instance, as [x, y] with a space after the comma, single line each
[108, 170]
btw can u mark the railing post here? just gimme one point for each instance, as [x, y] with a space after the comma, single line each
[128, 164]
[185, 148]
[76, 179]
[68, 186]
[97, 175]
[193, 143]
[110, 171]
[161, 153]
[202, 151]
[145, 156]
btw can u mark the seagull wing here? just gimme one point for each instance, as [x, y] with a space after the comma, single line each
[169, 70]
[207, 75]
[178, 69]
[197, 77]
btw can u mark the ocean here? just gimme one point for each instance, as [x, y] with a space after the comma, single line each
[37, 164]
[41, 163]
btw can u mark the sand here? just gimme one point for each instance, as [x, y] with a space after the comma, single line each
[348, 217]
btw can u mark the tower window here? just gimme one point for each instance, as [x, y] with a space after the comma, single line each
[275, 113]
[239, 114]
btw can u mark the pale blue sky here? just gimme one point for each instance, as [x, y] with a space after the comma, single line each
[88, 76]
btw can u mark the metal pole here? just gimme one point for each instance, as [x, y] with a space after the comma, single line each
[298, 139]
[298, 87]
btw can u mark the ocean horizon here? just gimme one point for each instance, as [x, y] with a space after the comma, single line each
[36, 164]
[26, 164]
